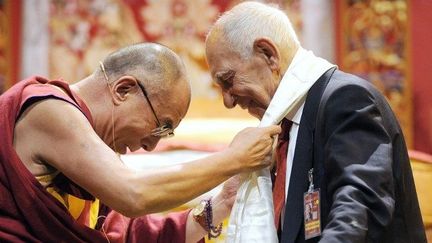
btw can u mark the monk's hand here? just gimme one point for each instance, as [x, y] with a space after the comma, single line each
[253, 147]
[225, 199]
[229, 190]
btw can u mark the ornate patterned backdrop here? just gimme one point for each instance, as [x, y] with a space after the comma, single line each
[83, 32]
[372, 43]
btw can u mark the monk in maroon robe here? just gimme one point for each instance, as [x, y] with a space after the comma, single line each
[61, 179]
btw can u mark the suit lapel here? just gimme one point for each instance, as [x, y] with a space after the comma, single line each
[302, 162]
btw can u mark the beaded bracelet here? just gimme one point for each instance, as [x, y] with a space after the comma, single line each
[213, 232]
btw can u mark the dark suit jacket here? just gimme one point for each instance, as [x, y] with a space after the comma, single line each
[351, 138]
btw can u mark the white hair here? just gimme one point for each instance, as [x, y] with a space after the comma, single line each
[248, 21]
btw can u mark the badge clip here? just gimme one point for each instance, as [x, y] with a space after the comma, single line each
[312, 210]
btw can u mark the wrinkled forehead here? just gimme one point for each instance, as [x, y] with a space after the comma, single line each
[221, 58]
[215, 41]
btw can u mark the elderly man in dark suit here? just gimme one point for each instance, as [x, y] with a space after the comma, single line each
[346, 152]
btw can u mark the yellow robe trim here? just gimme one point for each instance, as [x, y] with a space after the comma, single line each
[73, 204]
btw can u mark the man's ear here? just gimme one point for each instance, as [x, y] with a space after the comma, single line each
[267, 49]
[123, 87]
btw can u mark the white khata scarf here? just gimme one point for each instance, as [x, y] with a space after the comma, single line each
[252, 216]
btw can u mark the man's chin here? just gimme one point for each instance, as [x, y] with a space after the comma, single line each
[121, 150]
[256, 112]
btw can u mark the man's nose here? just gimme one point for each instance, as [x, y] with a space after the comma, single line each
[228, 100]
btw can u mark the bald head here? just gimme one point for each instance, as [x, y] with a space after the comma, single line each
[157, 66]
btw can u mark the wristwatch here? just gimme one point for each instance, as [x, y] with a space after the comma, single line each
[199, 214]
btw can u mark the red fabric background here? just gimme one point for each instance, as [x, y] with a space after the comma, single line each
[421, 66]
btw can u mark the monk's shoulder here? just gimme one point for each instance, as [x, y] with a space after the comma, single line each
[49, 125]
[39, 129]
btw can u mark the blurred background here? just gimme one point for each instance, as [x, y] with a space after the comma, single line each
[388, 43]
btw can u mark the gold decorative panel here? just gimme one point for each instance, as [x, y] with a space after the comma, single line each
[372, 42]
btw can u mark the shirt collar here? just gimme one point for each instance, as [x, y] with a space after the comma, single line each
[295, 116]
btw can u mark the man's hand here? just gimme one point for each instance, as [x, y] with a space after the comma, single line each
[253, 146]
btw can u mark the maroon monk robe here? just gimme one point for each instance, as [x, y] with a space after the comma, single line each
[28, 213]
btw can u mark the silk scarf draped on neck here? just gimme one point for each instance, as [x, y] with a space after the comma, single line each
[252, 217]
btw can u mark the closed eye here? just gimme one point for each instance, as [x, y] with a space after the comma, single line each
[225, 79]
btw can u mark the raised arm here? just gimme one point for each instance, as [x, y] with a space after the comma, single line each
[56, 133]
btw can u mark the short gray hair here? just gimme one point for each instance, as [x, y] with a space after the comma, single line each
[250, 20]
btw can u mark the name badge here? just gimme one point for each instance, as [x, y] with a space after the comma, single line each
[312, 211]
